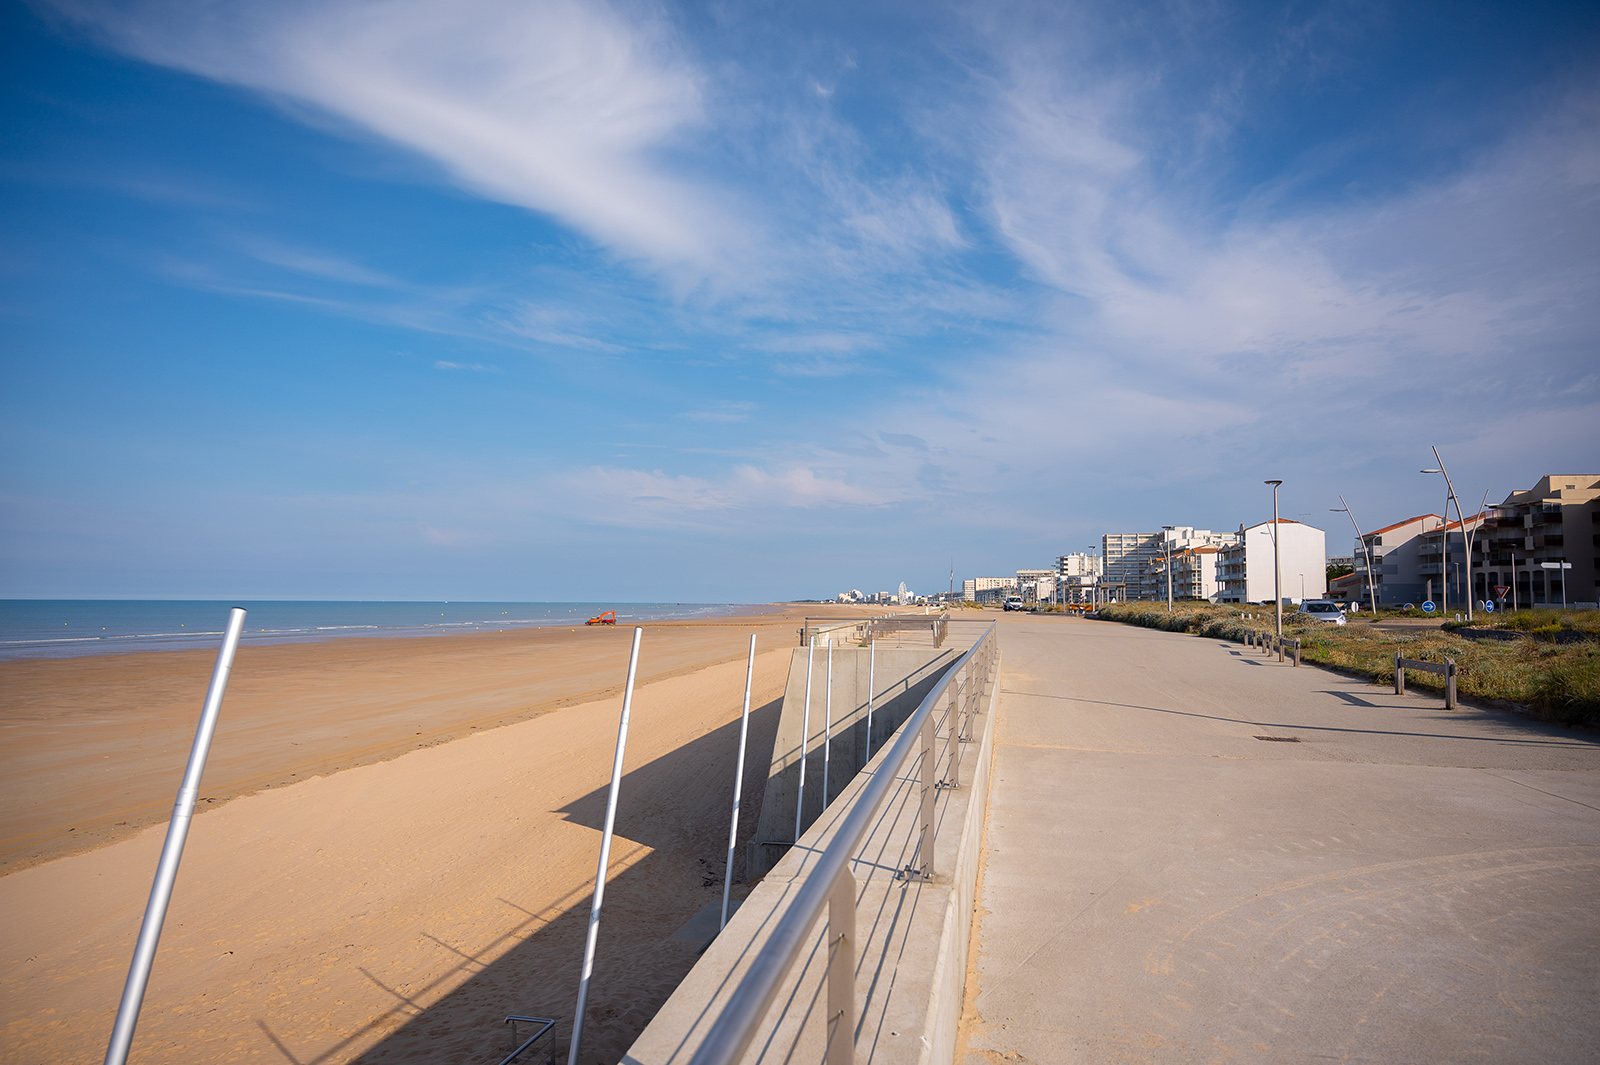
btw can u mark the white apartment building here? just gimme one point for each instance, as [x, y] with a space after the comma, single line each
[1077, 565]
[1176, 540]
[1245, 569]
[1076, 576]
[1036, 585]
[1126, 557]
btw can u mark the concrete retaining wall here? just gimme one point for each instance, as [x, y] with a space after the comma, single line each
[901, 678]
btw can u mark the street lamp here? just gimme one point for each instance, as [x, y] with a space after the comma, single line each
[1094, 585]
[1444, 546]
[1277, 577]
[1168, 539]
[1366, 551]
[1466, 537]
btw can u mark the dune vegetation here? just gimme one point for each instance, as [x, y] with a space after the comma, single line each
[1545, 661]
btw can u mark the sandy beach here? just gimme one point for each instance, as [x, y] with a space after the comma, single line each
[409, 849]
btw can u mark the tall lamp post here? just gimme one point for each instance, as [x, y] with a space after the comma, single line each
[1444, 537]
[1277, 576]
[1094, 588]
[1167, 530]
[1366, 551]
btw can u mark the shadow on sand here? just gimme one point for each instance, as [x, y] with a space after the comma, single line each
[678, 807]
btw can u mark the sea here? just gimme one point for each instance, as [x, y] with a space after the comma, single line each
[66, 628]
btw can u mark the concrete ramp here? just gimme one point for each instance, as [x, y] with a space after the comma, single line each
[901, 677]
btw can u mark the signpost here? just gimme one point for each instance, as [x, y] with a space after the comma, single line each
[1559, 566]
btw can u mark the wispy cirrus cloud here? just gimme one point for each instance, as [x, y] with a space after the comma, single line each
[563, 107]
[636, 497]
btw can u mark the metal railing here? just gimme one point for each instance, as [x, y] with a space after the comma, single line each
[856, 630]
[831, 884]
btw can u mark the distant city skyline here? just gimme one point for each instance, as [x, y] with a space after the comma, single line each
[723, 303]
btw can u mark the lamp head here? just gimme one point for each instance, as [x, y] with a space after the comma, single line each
[1430, 471]
[1272, 483]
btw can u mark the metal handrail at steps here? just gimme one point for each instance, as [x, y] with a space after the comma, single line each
[831, 884]
[853, 630]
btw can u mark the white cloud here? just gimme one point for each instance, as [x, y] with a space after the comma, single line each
[624, 496]
[559, 106]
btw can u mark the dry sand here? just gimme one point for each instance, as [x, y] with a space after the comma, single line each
[93, 747]
[397, 910]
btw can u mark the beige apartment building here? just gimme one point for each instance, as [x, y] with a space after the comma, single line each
[1194, 573]
[1555, 522]
[1400, 573]
[987, 589]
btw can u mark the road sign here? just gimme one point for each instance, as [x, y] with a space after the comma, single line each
[1555, 565]
[1428, 607]
[1500, 590]
[1488, 608]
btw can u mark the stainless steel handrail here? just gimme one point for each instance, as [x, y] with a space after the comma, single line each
[831, 884]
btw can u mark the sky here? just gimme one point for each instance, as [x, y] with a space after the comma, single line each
[516, 300]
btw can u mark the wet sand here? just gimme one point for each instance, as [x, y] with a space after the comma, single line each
[396, 910]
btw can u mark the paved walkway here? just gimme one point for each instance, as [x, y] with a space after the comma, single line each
[1167, 880]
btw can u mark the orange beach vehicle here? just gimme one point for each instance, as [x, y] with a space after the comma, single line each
[608, 618]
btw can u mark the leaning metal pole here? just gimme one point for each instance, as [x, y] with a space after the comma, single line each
[605, 855]
[872, 662]
[805, 734]
[827, 727]
[1466, 539]
[155, 911]
[738, 778]
[1366, 551]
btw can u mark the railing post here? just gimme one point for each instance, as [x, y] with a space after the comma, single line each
[805, 738]
[155, 911]
[929, 779]
[1280, 642]
[1297, 653]
[1399, 674]
[1450, 684]
[842, 970]
[952, 742]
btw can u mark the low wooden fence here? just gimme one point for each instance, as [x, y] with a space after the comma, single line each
[1285, 646]
[1447, 669]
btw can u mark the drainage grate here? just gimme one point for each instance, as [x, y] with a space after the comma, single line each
[1280, 739]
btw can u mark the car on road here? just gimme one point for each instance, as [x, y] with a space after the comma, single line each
[1323, 610]
[1014, 602]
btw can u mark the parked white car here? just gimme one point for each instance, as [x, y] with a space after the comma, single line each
[1323, 610]
[1014, 602]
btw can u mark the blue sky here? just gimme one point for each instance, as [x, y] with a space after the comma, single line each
[486, 299]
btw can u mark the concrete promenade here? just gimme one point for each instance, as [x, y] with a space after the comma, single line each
[1377, 880]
